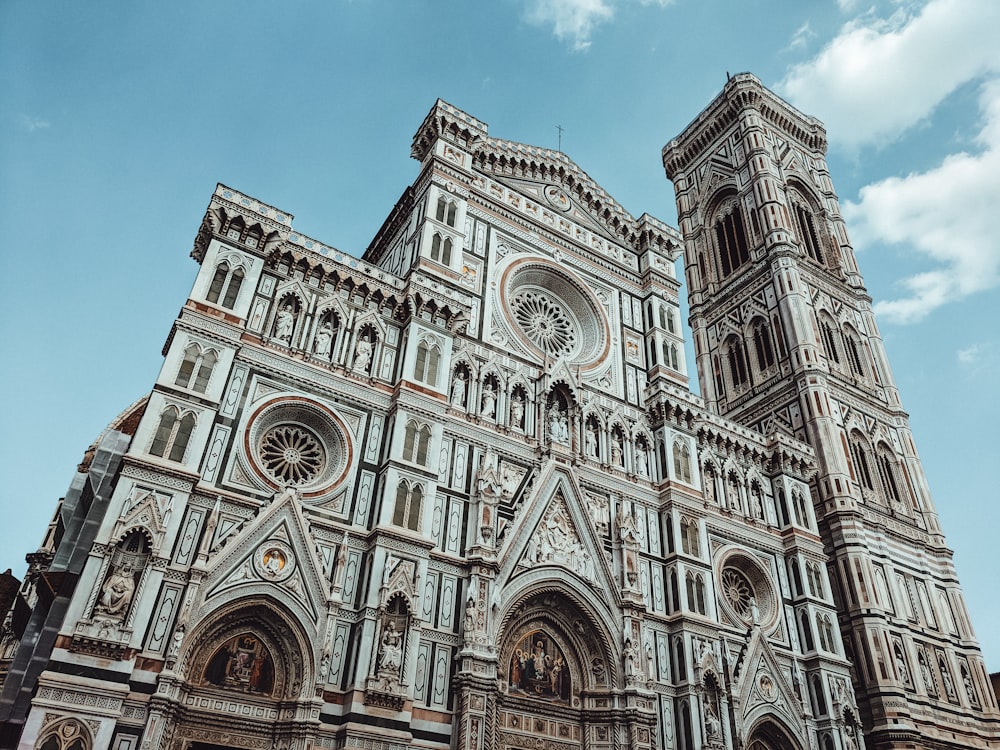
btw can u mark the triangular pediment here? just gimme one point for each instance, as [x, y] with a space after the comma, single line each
[556, 185]
[554, 528]
[561, 202]
[272, 555]
[763, 687]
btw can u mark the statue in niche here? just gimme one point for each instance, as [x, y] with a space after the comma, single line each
[117, 593]
[617, 457]
[324, 338]
[458, 389]
[175, 643]
[756, 505]
[391, 658]
[590, 440]
[713, 727]
[631, 659]
[284, 324]
[641, 461]
[489, 407]
[517, 411]
[362, 355]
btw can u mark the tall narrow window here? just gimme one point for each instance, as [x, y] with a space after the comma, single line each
[416, 442]
[807, 233]
[407, 509]
[737, 360]
[826, 329]
[450, 217]
[225, 286]
[442, 206]
[446, 252]
[762, 345]
[887, 473]
[862, 467]
[730, 235]
[172, 435]
[196, 365]
[428, 360]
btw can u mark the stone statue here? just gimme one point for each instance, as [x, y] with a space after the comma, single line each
[630, 657]
[458, 389]
[175, 643]
[641, 462]
[324, 337]
[713, 727]
[489, 409]
[362, 355]
[590, 441]
[517, 411]
[392, 649]
[117, 592]
[285, 322]
[616, 450]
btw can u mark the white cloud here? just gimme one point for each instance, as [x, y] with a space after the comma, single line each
[574, 21]
[979, 359]
[880, 76]
[947, 214]
[32, 123]
[801, 37]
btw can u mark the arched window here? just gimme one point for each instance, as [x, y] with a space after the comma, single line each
[828, 332]
[888, 473]
[682, 461]
[675, 596]
[854, 350]
[806, 229]
[862, 464]
[416, 442]
[782, 508]
[407, 510]
[799, 505]
[762, 344]
[736, 358]
[196, 365]
[814, 574]
[806, 631]
[449, 218]
[818, 696]
[428, 359]
[441, 249]
[172, 434]
[695, 584]
[796, 576]
[225, 286]
[731, 239]
[690, 541]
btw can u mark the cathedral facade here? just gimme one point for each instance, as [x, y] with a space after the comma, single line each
[458, 494]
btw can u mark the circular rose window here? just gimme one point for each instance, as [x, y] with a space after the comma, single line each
[292, 454]
[553, 312]
[746, 592]
[297, 443]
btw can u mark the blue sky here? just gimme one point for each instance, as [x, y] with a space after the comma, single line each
[118, 119]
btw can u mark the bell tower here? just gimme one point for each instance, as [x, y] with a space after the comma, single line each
[786, 340]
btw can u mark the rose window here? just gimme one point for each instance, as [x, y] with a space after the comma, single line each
[738, 591]
[294, 442]
[544, 322]
[291, 454]
[553, 313]
[746, 593]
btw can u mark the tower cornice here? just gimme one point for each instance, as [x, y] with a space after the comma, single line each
[742, 91]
